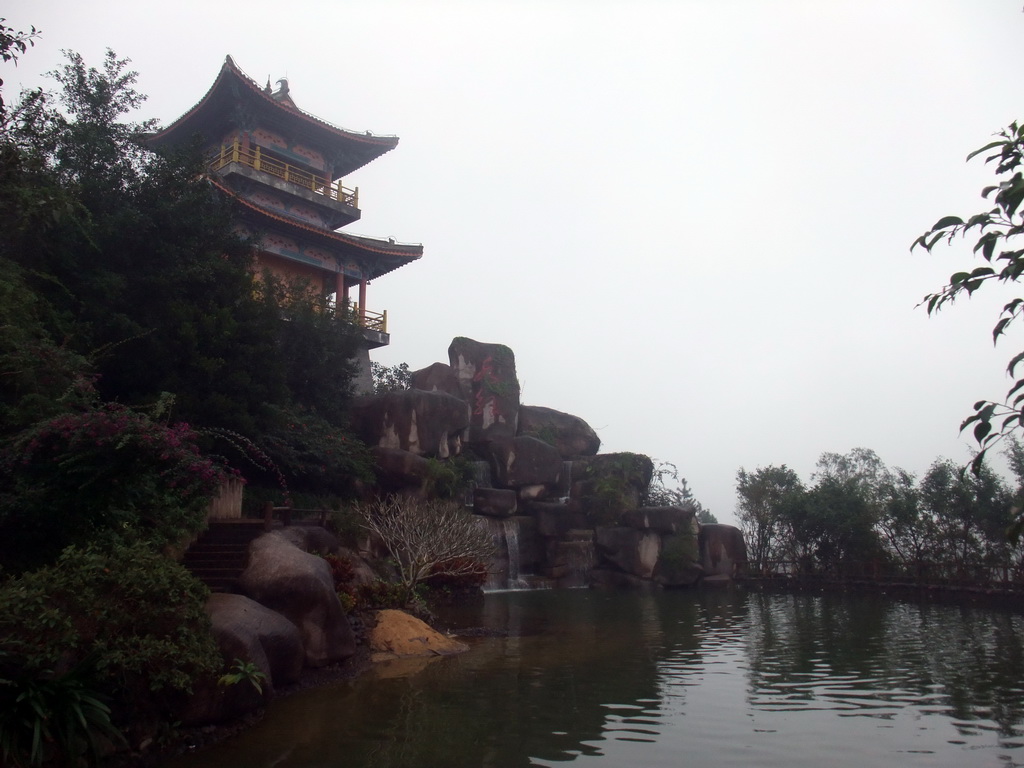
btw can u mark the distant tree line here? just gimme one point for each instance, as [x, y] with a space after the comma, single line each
[860, 517]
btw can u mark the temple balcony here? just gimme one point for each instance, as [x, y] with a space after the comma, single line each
[253, 164]
[374, 325]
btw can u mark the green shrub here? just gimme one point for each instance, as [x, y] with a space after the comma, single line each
[244, 671]
[44, 717]
[315, 456]
[379, 595]
[103, 473]
[615, 484]
[447, 478]
[138, 614]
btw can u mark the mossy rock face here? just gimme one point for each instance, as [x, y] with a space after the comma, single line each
[679, 563]
[486, 374]
[610, 486]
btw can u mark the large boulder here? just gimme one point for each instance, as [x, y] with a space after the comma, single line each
[723, 551]
[679, 561]
[487, 378]
[424, 423]
[665, 520]
[299, 586]
[399, 470]
[246, 630]
[570, 435]
[553, 520]
[524, 461]
[312, 538]
[494, 502]
[629, 550]
[438, 377]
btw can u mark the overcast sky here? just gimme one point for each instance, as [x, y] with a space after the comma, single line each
[689, 219]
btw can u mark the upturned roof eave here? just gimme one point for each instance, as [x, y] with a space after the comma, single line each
[396, 254]
[178, 131]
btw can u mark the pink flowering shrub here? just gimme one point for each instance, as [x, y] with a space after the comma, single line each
[108, 472]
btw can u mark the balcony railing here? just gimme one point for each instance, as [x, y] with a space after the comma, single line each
[254, 158]
[372, 321]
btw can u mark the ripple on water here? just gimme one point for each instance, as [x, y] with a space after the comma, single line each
[715, 680]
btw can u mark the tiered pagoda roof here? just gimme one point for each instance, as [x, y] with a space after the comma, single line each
[237, 99]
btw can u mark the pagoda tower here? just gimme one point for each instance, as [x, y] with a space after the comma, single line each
[285, 168]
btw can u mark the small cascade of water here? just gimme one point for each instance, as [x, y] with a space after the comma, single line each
[564, 487]
[510, 528]
[580, 557]
[481, 479]
[503, 572]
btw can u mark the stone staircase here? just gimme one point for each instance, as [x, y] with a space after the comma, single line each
[219, 555]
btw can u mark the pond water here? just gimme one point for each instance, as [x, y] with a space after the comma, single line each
[686, 678]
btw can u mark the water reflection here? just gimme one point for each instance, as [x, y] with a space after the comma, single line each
[704, 678]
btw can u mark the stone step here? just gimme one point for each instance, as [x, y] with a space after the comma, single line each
[219, 555]
[195, 561]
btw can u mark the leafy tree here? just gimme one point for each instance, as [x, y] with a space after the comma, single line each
[668, 489]
[314, 455]
[996, 233]
[970, 513]
[838, 525]
[12, 45]
[124, 270]
[39, 377]
[317, 350]
[138, 268]
[764, 496]
[947, 495]
[390, 378]
[845, 506]
[428, 538]
[907, 530]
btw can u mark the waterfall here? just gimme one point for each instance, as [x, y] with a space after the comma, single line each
[580, 557]
[511, 530]
[564, 488]
[503, 572]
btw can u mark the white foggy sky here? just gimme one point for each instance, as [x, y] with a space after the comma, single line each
[690, 219]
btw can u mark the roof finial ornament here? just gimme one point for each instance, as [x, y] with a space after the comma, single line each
[267, 88]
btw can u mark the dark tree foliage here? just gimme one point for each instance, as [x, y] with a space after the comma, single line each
[390, 378]
[124, 270]
[668, 489]
[861, 517]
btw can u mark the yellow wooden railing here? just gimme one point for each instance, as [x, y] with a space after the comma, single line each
[254, 158]
[372, 321]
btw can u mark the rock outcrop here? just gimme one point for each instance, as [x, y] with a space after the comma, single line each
[723, 551]
[519, 462]
[246, 630]
[299, 586]
[424, 423]
[574, 516]
[438, 377]
[570, 435]
[487, 379]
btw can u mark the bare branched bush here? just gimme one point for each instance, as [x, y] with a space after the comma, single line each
[428, 538]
